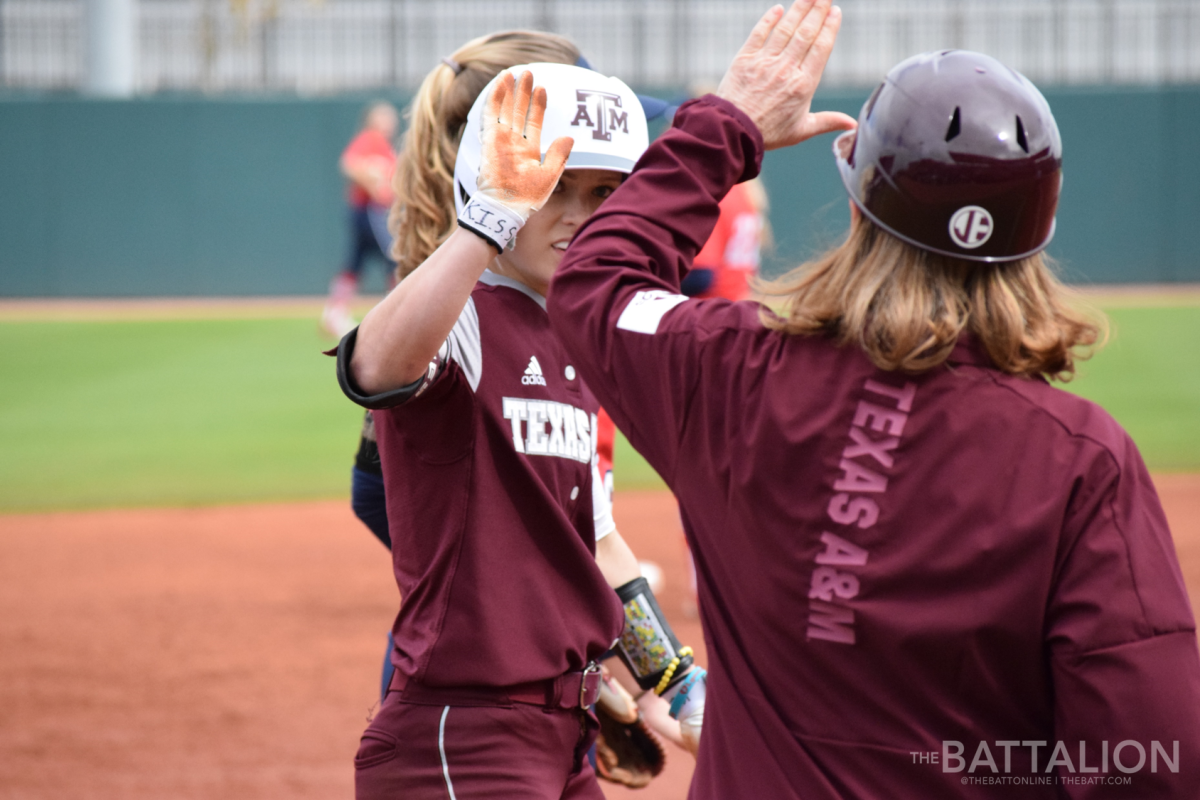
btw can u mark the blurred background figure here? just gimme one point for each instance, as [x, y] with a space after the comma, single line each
[368, 163]
[733, 252]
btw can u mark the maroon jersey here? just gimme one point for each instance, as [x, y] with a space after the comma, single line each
[911, 585]
[489, 472]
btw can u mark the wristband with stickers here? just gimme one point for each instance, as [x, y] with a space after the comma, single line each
[648, 645]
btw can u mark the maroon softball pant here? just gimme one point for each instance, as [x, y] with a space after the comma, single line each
[422, 752]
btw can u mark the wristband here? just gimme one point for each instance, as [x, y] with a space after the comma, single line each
[693, 688]
[494, 222]
[648, 645]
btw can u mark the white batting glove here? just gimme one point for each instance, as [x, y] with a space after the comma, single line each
[687, 705]
[513, 182]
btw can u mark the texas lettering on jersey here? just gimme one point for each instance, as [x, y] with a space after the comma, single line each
[571, 431]
[834, 582]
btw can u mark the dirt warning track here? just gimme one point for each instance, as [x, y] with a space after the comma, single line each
[234, 652]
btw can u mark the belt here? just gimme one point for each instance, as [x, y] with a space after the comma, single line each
[570, 690]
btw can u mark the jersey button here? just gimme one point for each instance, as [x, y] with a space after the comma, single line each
[569, 372]
[575, 493]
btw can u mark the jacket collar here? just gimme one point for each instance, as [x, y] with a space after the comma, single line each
[969, 350]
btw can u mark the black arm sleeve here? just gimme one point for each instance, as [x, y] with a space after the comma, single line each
[345, 350]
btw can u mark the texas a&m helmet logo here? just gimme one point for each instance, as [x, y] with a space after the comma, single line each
[602, 112]
[971, 227]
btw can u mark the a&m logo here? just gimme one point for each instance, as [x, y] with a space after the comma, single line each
[608, 113]
[971, 227]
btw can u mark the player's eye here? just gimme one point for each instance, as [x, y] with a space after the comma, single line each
[559, 188]
[603, 191]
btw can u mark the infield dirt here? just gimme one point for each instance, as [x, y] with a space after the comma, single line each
[234, 652]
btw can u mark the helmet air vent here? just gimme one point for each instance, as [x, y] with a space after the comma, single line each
[955, 125]
[1021, 140]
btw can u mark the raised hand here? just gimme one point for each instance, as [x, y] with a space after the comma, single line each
[773, 77]
[512, 171]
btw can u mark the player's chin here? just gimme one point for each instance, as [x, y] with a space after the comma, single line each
[555, 258]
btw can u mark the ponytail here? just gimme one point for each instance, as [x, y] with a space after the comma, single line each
[423, 214]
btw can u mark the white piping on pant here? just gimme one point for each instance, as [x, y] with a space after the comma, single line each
[442, 750]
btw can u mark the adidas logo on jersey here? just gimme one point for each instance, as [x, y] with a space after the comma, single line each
[533, 374]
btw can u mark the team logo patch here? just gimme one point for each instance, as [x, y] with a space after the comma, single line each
[971, 227]
[533, 374]
[602, 112]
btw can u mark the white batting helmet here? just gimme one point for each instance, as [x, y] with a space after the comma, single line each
[602, 115]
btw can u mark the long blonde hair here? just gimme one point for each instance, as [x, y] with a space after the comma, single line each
[422, 215]
[906, 307]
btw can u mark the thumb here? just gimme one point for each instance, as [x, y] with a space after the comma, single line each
[828, 121]
[556, 155]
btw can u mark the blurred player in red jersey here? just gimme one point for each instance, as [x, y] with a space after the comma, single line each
[488, 446]
[368, 163]
[730, 258]
[923, 570]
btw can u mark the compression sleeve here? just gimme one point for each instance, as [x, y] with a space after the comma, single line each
[463, 346]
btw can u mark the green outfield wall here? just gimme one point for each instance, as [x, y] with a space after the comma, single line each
[201, 196]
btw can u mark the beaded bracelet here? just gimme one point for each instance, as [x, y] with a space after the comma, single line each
[670, 673]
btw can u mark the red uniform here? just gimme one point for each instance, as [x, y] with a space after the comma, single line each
[490, 476]
[732, 251]
[911, 585]
[371, 145]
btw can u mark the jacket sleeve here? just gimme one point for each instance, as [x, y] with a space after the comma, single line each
[615, 300]
[1122, 642]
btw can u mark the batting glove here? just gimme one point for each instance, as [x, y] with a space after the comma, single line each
[513, 181]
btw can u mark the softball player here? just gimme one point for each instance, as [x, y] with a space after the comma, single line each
[923, 571]
[504, 546]
[367, 163]
[425, 214]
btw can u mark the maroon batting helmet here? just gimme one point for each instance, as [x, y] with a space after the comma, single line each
[957, 154]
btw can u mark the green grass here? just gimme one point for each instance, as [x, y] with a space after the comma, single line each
[1148, 378]
[179, 413]
[105, 414]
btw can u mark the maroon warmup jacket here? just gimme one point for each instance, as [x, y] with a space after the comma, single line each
[912, 586]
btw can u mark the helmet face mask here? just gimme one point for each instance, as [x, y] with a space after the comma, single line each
[602, 115]
[957, 154]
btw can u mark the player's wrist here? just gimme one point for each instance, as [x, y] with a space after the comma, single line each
[493, 221]
[687, 695]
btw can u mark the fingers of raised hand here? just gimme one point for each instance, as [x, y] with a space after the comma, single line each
[786, 29]
[495, 108]
[807, 32]
[822, 46]
[521, 95]
[537, 113]
[758, 36]
[815, 37]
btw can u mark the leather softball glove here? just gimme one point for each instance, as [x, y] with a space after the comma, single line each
[627, 751]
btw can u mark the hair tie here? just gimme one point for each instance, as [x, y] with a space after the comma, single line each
[453, 65]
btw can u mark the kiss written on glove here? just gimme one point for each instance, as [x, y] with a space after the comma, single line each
[495, 222]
